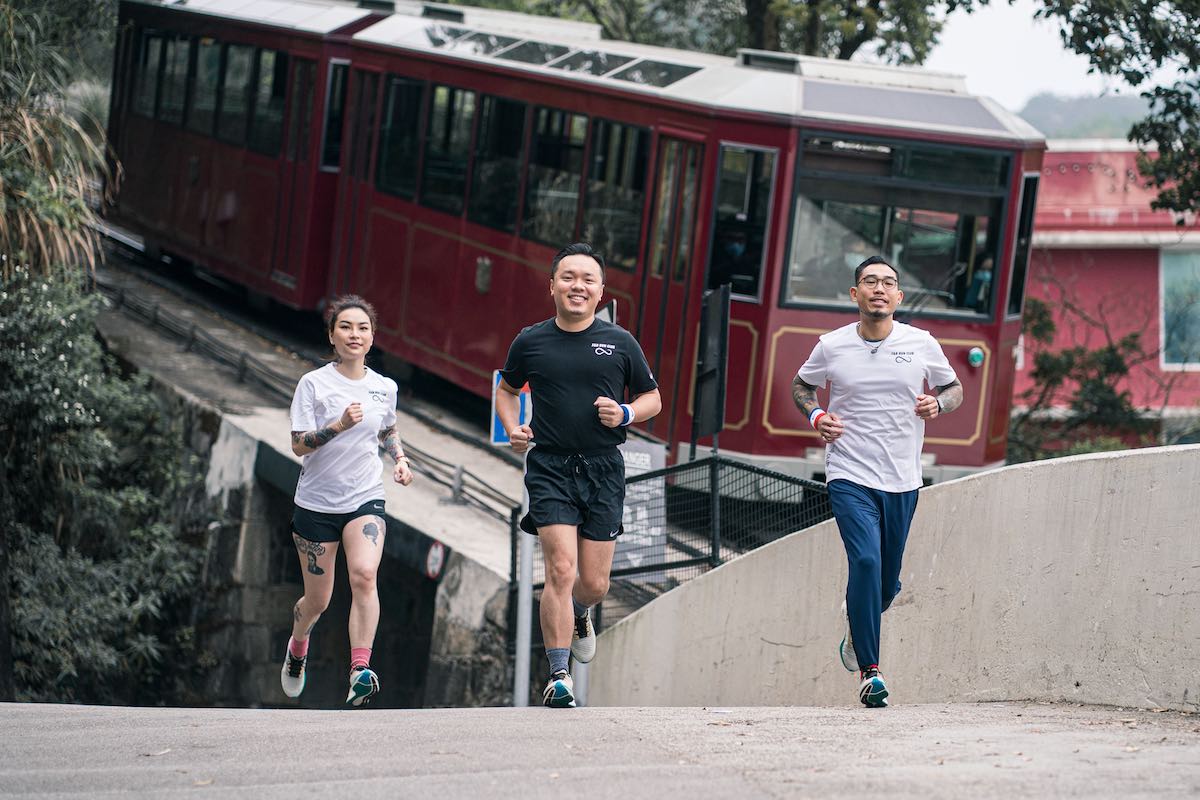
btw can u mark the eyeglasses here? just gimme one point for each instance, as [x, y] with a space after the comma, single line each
[871, 281]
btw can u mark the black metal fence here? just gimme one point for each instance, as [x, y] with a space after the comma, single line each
[686, 519]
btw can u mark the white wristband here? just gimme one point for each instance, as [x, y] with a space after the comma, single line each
[628, 414]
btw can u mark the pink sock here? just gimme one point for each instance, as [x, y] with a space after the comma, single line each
[298, 649]
[360, 657]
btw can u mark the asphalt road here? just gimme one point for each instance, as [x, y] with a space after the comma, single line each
[999, 750]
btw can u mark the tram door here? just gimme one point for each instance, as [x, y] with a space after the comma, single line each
[355, 185]
[295, 194]
[670, 252]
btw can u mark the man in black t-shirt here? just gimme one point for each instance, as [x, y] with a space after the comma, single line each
[579, 370]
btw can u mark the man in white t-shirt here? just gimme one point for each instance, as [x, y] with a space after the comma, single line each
[885, 380]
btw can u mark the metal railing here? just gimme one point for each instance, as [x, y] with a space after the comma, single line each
[686, 519]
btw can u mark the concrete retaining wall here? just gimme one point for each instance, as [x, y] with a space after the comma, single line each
[1073, 579]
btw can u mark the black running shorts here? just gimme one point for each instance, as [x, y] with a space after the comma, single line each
[317, 526]
[582, 489]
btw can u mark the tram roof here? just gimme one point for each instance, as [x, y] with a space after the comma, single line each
[310, 16]
[796, 87]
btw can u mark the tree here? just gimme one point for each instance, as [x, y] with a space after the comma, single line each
[1137, 42]
[898, 31]
[100, 510]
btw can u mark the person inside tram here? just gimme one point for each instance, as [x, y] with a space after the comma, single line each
[979, 294]
[734, 260]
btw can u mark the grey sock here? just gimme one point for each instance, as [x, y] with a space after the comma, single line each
[580, 610]
[558, 657]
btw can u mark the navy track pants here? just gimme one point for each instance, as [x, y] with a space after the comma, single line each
[874, 526]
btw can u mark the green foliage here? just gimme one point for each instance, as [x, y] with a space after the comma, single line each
[898, 31]
[99, 507]
[1139, 42]
[1076, 404]
[48, 159]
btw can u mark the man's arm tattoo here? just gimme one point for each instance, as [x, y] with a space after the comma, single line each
[389, 439]
[804, 396]
[950, 396]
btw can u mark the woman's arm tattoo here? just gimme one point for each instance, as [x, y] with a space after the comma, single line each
[804, 396]
[389, 439]
[950, 396]
[313, 439]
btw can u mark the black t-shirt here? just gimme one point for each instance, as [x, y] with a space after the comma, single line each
[567, 371]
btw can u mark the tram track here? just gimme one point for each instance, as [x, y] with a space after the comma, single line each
[124, 254]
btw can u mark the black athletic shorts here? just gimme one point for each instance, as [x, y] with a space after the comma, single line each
[582, 489]
[317, 526]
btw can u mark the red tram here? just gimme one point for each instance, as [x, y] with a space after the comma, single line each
[433, 158]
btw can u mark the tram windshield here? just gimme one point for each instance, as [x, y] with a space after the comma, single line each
[941, 233]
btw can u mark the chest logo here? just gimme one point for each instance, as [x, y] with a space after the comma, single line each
[903, 356]
[601, 349]
[377, 396]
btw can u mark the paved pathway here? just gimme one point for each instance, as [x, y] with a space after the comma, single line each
[999, 750]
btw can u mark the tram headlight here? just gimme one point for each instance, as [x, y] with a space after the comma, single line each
[975, 357]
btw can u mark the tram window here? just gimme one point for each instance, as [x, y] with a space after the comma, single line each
[335, 110]
[174, 79]
[931, 165]
[496, 174]
[398, 142]
[1016, 289]
[480, 44]
[743, 208]
[266, 127]
[943, 246]
[235, 94]
[555, 167]
[301, 110]
[616, 191]
[591, 62]
[447, 148]
[205, 80]
[655, 73]
[534, 52]
[146, 87]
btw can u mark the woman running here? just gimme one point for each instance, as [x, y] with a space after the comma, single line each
[341, 414]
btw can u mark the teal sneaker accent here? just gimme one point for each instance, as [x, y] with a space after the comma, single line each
[873, 692]
[560, 691]
[364, 684]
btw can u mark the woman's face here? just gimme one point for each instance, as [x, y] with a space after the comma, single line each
[352, 335]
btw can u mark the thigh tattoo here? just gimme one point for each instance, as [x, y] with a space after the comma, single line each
[313, 550]
[373, 528]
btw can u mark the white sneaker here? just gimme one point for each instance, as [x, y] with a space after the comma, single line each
[364, 684]
[560, 691]
[292, 677]
[846, 648]
[872, 691]
[583, 645]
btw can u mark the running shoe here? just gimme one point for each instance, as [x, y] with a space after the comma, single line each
[292, 676]
[560, 691]
[846, 648]
[583, 646]
[364, 684]
[873, 692]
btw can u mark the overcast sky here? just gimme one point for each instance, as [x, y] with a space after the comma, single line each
[1007, 55]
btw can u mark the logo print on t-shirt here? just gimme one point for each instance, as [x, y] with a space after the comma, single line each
[601, 349]
[377, 395]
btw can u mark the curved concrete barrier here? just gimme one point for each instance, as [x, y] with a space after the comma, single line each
[1072, 579]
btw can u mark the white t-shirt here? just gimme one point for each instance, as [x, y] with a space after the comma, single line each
[344, 473]
[874, 395]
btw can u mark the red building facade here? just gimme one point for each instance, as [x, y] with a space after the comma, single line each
[1108, 265]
